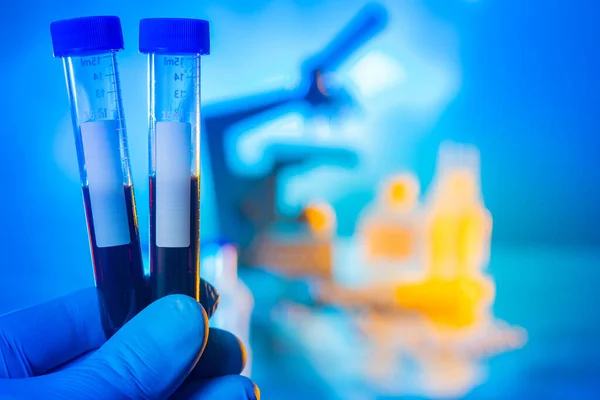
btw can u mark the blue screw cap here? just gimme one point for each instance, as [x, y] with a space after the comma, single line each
[80, 36]
[174, 36]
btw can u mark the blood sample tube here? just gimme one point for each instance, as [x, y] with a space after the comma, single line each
[174, 47]
[88, 47]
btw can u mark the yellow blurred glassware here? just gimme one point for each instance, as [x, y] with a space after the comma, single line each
[455, 292]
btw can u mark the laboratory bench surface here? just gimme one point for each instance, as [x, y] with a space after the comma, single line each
[550, 292]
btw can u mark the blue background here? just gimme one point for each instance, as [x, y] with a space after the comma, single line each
[516, 78]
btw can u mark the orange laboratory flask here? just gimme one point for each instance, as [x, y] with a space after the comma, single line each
[390, 229]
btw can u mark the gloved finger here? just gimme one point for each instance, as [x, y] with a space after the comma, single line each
[209, 297]
[153, 353]
[224, 354]
[36, 339]
[230, 387]
[77, 360]
[148, 358]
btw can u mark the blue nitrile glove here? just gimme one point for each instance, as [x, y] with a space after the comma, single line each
[58, 350]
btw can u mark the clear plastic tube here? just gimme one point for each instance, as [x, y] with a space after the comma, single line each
[89, 56]
[174, 48]
[174, 88]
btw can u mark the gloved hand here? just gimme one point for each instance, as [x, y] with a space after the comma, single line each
[60, 350]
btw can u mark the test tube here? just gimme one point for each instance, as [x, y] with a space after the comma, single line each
[174, 47]
[88, 47]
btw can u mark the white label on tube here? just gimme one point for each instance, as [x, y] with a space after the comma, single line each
[101, 148]
[173, 183]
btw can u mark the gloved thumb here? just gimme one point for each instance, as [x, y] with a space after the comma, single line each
[149, 358]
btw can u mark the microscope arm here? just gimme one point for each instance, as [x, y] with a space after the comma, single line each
[367, 23]
[222, 116]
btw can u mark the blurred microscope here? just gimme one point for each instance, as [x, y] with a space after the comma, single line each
[247, 212]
